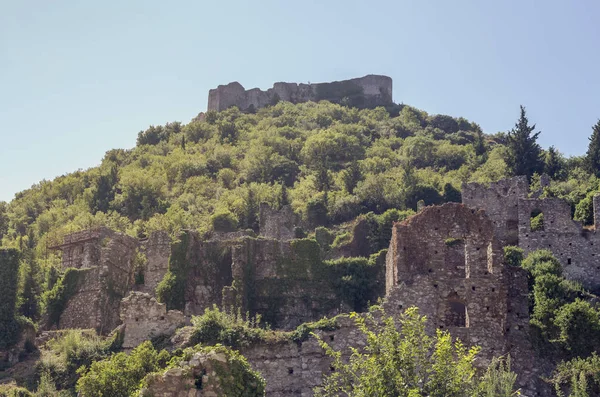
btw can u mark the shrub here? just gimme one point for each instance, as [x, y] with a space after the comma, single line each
[65, 354]
[513, 256]
[537, 222]
[224, 221]
[579, 327]
[227, 328]
[542, 262]
[403, 360]
[120, 375]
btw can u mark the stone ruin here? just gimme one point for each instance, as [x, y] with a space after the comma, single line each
[509, 205]
[368, 91]
[144, 318]
[447, 260]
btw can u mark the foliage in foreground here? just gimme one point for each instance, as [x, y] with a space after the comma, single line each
[409, 363]
[64, 355]
[121, 374]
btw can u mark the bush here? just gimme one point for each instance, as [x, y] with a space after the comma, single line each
[542, 262]
[579, 327]
[513, 256]
[65, 354]
[120, 375]
[229, 329]
[537, 222]
[224, 221]
[584, 210]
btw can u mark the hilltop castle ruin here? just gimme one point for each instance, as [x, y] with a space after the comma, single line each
[368, 91]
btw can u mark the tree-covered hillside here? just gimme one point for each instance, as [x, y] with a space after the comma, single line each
[330, 162]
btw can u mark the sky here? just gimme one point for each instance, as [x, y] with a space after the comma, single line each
[78, 78]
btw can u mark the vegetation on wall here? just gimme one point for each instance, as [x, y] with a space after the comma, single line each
[55, 300]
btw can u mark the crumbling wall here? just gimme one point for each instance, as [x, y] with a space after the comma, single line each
[157, 250]
[367, 91]
[101, 283]
[83, 249]
[209, 372]
[500, 202]
[507, 204]
[295, 368]
[277, 224]
[144, 318]
[447, 262]
[575, 247]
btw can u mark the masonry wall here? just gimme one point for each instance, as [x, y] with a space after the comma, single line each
[294, 369]
[500, 202]
[447, 262]
[576, 248]
[144, 318]
[283, 282]
[277, 224]
[102, 284]
[367, 91]
[508, 205]
[157, 250]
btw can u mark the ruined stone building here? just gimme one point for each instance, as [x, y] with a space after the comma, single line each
[510, 207]
[367, 91]
[447, 260]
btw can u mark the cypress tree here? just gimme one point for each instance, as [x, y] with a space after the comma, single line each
[479, 143]
[592, 157]
[524, 153]
[553, 163]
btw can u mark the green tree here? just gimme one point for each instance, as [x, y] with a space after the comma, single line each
[592, 157]
[351, 176]
[553, 163]
[409, 363]
[9, 276]
[479, 143]
[524, 153]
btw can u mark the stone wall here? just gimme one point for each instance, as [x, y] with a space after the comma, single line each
[269, 277]
[282, 281]
[447, 262]
[277, 224]
[500, 202]
[508, 205]
[103, 280]
[575, 247]
[144, 318]
[294, 369]
[367, 91]
[157, 250]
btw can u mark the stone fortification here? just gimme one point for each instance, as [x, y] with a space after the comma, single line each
[508, 205]
[367, 91]
[447, 261]
[104, 261]
[144, 318]
[279, 279]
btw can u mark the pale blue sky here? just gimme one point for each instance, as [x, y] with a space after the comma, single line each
[78, 78]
